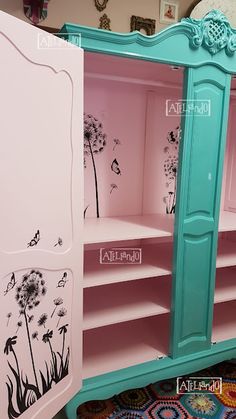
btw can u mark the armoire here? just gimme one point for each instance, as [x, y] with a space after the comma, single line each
[118, 209]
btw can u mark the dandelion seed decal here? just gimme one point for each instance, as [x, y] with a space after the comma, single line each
[35, 335]
[113, 186]
[57, 302]
[59, 242]
[171, 168]
[94, 143]
[30, 318]
[116, 142]
[47, 339]
[9, 315]
[42, 319]
[61, 313]
[19, 324]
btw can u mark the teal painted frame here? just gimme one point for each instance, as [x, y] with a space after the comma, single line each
[105, 386]
[185, 44]
[191, 43]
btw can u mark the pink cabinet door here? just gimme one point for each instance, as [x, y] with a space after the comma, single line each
[41, 178]
[230, 188]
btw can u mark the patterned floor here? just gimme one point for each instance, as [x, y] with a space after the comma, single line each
[160, 401]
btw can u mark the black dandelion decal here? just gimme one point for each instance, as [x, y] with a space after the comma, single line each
[9, 315]
[42, 320]
[61, 313]
[59, 242]
[116, 142]
[19, 324]
[94, 143]
[35, 335]
[57, 302]
[171, 169]
[30, 318]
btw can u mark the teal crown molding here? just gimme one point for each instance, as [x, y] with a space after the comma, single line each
[213, 32]
[190, 43]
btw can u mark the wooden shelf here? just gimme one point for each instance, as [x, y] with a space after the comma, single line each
[225, 285]
[156, 261]
[119, 346]
[226, 255]
[132, 227]
[224, 322]
[123, 302]
[227, 221]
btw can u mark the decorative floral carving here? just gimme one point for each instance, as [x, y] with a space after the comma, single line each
[100, 4]
[105, 23]
[137, 23]
[213, 32]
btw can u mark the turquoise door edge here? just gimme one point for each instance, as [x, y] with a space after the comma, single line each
[198, 205]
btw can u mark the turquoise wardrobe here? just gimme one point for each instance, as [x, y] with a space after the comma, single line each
[159, 178]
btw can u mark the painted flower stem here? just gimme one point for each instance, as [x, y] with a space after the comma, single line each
[31, 350]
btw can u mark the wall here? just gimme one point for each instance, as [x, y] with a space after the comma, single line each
[85, 13]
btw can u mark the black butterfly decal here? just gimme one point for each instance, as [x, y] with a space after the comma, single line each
[62, 281]
[35, 239]
[11, 283]
[115, 167]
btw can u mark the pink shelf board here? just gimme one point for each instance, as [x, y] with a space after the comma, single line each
[224, 321]
[226, 255]
[227, 221]
[225, 285]
[156, 261]
[116, 303]
[111, 348]
[107, 229]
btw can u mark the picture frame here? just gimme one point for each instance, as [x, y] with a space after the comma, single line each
[169, 11]
[138, 23]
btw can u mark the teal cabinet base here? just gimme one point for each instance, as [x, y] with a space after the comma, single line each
[105, 386]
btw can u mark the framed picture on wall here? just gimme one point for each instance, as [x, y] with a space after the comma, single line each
[169, 11]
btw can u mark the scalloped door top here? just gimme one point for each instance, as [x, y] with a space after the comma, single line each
[36, 153]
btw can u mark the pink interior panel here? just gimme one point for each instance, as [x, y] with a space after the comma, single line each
[161, 152]
[102, 64]
[130, 166]
[120, 110]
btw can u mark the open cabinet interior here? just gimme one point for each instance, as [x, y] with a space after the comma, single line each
[131, 150]
[224, 324]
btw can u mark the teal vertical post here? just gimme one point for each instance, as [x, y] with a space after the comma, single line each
[198, 204]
